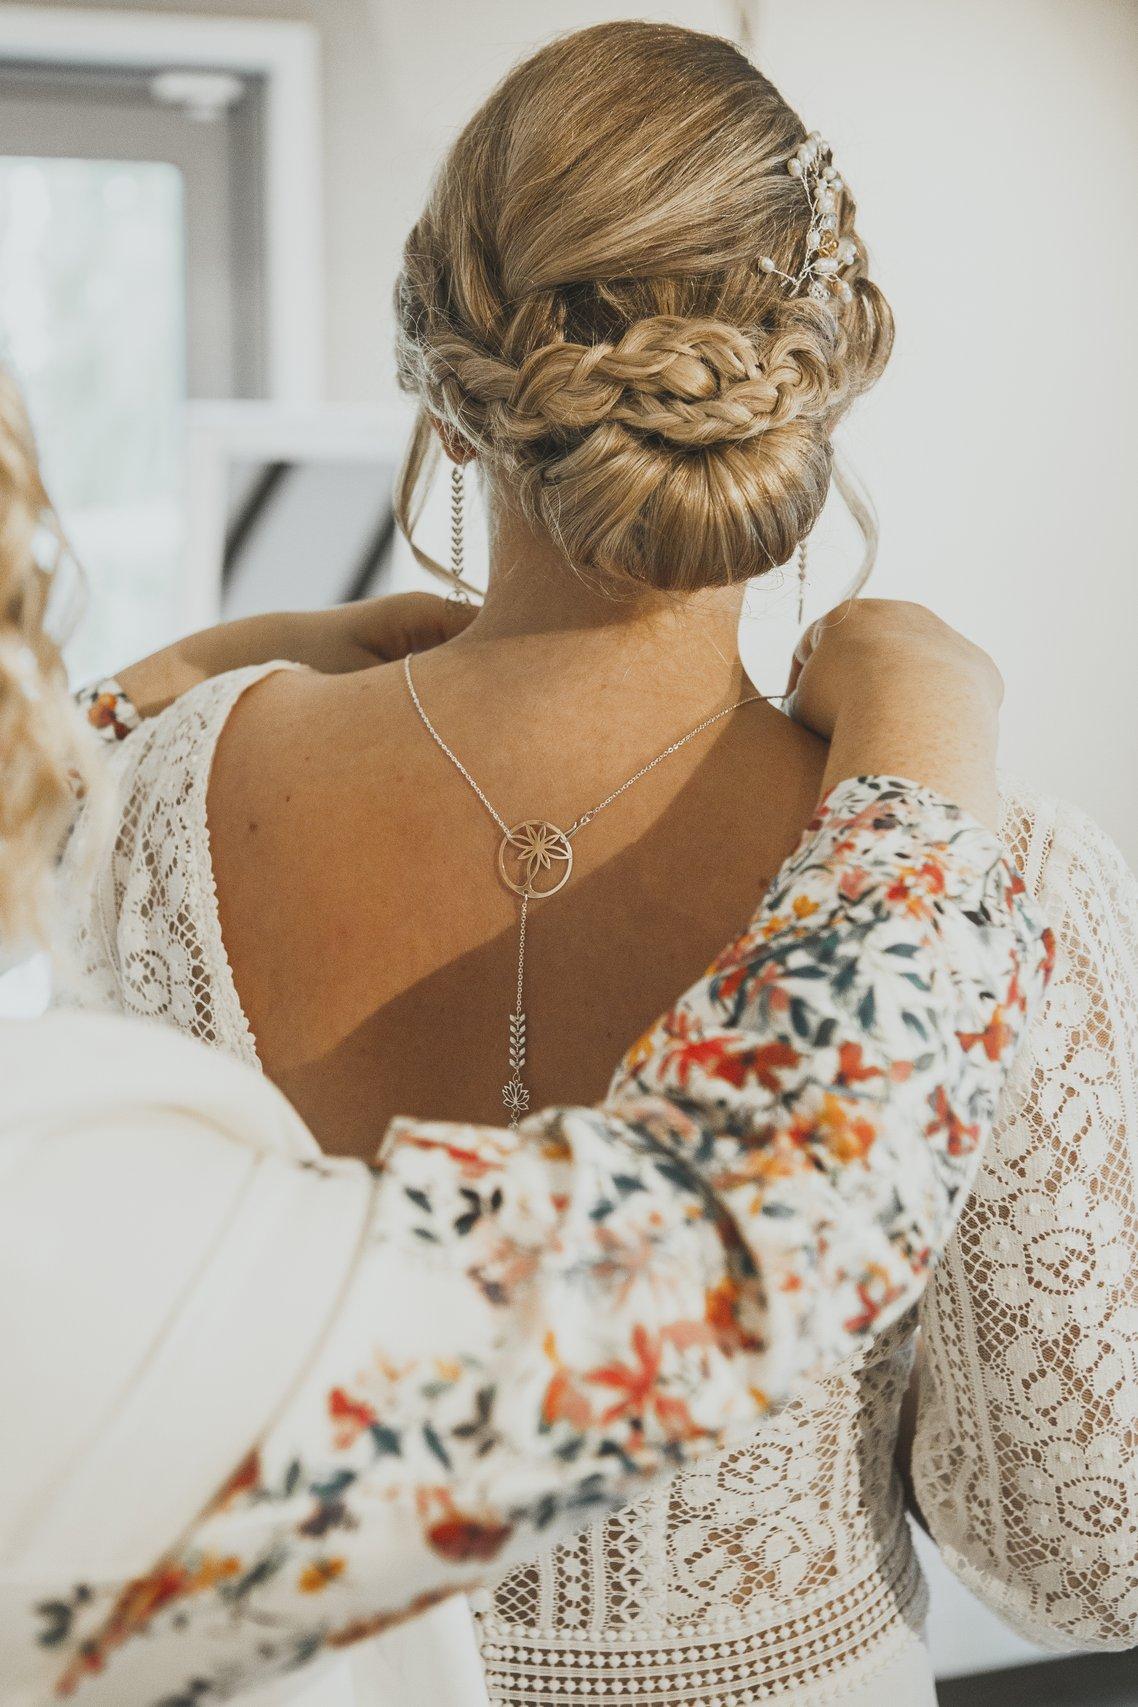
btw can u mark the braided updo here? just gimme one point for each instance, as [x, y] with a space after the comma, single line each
[582, 301]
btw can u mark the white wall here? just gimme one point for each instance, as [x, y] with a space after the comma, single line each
[992, 145]
[993, 149]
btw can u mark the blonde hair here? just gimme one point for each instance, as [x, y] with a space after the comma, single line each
[44, 755]
[582, 302]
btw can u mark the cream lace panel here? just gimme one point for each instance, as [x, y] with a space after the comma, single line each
[1025, 1461]
[782, 1565]
[785, 1567]
[143, 935]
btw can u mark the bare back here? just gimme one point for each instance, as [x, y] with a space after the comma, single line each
[373, 945]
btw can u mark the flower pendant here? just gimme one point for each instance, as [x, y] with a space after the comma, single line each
[535, 859]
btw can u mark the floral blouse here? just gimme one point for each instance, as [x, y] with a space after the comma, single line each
[540, 1321]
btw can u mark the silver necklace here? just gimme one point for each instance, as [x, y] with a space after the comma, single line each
[535, 859]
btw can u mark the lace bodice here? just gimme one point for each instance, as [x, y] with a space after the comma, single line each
[786, 1565]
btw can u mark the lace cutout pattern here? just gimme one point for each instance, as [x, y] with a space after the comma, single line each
[145, 938]
[1026, 1458]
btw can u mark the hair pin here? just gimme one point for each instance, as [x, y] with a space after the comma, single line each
[826, 252]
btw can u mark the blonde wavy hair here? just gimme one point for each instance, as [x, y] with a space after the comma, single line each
[45, 757]
[582, 302]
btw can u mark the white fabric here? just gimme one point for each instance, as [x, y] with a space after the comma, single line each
[102, 1111]
[785, 1569]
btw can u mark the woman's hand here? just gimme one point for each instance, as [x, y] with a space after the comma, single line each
[348, 637]
[896, 692]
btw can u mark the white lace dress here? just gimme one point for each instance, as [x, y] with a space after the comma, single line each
[785, 1571]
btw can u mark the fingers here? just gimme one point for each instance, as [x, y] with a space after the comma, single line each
[412, 622]
[455, 617]
[807, 641]
[434, 620]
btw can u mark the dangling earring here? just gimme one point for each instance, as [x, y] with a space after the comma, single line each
[801, 580]
[458, 594]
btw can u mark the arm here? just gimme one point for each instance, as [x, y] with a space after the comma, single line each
[536, 1323]
[1024, 1463]
[347, 637]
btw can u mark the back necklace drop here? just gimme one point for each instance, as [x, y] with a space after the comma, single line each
[535, 860]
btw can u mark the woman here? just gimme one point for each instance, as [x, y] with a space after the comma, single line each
[190, 1298]
[442, 886]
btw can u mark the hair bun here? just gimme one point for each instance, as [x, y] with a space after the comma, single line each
[585, 299]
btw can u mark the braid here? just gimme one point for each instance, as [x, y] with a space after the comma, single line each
[594, 318]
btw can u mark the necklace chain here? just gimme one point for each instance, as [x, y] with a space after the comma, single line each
[514, 1092]
[586, 817]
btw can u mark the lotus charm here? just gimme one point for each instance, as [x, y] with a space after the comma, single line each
[516, 1098]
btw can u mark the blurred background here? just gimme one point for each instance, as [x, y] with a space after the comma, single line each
[201, 214]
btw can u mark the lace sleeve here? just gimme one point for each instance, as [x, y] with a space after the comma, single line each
[138, 931]
[1025, 1463]
[540, 1321]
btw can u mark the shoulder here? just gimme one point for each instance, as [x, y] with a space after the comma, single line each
[195, 721]
[292, 732]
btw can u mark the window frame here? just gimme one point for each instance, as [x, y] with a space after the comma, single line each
[285, 56]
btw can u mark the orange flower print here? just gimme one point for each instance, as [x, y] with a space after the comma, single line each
[318, 1573]
[460, 1536]
[962, 1139]
[243, 1480]
[638, 1386]
[848, 1135]
[103, 713]
[721, 1303]
[720, 1057]
[915, 887]
[850, 1069]
[853, 883]
[472, 1164]
[563, 1400]
[638, 1055]
[876, 1294]
[995, 1038]
[350, 1417]
[140, 1602]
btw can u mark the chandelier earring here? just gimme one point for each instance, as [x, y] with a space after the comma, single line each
[458, 594]
[802, 548]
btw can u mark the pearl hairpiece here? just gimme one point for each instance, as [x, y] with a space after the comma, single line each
[826, 252]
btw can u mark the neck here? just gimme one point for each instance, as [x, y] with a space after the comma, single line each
[540, 614]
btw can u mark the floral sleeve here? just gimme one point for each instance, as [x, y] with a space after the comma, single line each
[539, 1321]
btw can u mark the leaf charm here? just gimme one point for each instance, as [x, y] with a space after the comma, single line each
[517, 1042]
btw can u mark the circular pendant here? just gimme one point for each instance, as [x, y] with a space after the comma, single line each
[535, 859]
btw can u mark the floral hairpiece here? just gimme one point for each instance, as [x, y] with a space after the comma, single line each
[826, 252]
